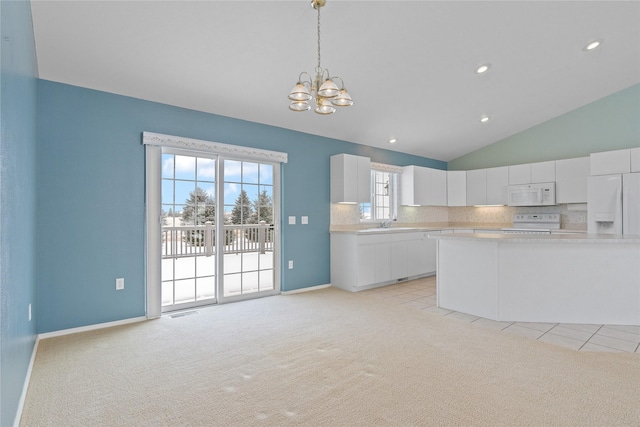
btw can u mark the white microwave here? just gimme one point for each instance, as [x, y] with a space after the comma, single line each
[543, 194]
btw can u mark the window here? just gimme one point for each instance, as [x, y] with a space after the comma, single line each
[383, 197]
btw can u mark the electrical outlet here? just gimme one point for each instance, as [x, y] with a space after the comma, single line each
[290, 264]
[120, 284]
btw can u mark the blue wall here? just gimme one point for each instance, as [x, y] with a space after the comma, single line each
[18, 93]
[91, 191]
[610, 123]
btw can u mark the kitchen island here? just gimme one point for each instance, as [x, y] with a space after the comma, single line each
[557, 278]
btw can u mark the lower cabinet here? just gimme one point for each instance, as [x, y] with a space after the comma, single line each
[365, 261]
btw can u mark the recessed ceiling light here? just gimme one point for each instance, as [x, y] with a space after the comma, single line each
[483, 68]
[393, 140]
[592, 45]
[484, 119]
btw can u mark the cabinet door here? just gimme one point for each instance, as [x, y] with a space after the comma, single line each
[399, 259]
[543, 172]
[415, 257]
[477, 187]
[364, 180]
[366, 267]
[571, 180]
[350, 179]
[422, 255]
[430, 246]
[456, 188]
[382, 262]
[414, 184]
[374, 263]
[611, 162]
[497, 181]
[635, 160]
[520, 174]
[437, 187]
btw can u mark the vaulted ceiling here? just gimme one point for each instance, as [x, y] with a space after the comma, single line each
[409, 65]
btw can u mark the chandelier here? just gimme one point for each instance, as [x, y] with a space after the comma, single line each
[321, 88]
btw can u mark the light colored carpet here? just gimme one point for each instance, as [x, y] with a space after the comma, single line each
[324, 358]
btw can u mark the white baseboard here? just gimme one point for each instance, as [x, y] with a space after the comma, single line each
[90, 327]
[25, 386]
[311, 288]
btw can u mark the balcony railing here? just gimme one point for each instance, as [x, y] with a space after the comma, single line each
[193, 240]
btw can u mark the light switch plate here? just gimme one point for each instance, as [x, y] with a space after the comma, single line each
[119, 283]
[304, 220]
[292, 220]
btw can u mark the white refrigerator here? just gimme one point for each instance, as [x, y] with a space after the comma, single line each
[613, 204]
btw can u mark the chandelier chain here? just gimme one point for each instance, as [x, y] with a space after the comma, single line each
[319, 68]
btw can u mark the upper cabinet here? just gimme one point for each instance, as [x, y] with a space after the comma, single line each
[520, 174]
[497, 181]
[571, 180]
[487, 186]
[420, 186]
[350, 179]
[456, 188]
[477, 187]
[531, 173]
[611, 162]
[635, 159]
[543, 172]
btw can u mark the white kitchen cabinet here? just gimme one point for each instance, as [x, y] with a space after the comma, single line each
[374, 259]
[543, 172]
[520, 174]
[365, 261]
[477, 187]
[421, 257]
[399, 254]
[635, 159]
[437, 189]
[420, 186]
[611, 162]
[571, 180]
[413, 186]
[530, 173]
[350, 179]
[456, 188]
[497, 181]
[487, 186]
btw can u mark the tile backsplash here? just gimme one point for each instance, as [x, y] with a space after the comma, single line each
[572, 217]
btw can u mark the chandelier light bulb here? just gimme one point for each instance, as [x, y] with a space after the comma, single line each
[343, 99]
[324, 107]
[328, 89]
[300, 93]
[299, 106]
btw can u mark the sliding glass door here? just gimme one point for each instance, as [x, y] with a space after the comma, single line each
[218, 229]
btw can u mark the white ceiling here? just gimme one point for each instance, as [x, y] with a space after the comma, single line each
[409, 65]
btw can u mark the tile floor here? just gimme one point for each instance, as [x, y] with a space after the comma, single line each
[421, 294]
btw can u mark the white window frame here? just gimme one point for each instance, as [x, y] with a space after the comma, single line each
[394, 185]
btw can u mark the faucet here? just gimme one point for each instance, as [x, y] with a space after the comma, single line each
[387, 223]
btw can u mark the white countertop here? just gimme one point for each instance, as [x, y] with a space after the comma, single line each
[408, 229]
[555, 237]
